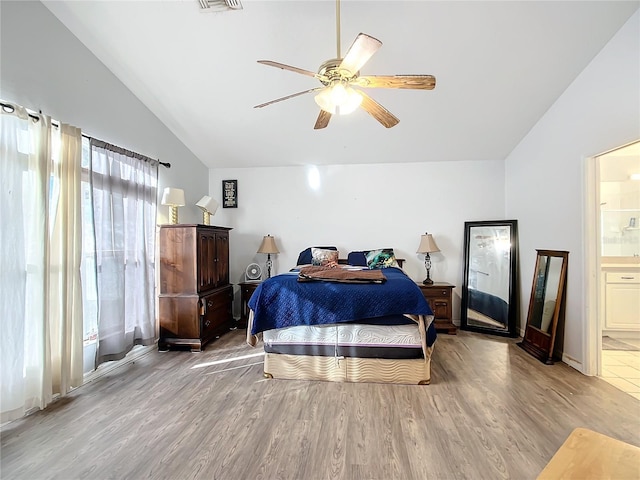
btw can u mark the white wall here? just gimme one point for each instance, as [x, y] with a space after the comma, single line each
[545, 174]
[359, 207]
[44, 67]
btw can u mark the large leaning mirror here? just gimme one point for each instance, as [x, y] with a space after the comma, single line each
[545, 305]
[489, 285]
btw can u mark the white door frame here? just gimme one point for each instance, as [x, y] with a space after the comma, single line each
[592, 341]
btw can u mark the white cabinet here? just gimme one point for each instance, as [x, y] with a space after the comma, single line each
[622, 300]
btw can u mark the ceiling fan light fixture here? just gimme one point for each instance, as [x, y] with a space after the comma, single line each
[324, 101]
[338, 99]
[351, 103]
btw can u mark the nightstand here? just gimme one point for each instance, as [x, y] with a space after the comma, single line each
[439, 295]
[246, 290]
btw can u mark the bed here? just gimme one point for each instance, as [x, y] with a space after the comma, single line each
[360, 324]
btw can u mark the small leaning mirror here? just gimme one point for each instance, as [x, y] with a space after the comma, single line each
[489, 285]
[545, 306]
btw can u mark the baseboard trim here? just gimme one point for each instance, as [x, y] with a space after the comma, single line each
[572, 362]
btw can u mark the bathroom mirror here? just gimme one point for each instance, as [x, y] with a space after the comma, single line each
[546, 304]
[489, 285]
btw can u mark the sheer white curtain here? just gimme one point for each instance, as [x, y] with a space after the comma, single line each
[124, 192]
[40, 331]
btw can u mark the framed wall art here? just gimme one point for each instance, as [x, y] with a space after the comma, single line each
[229, 193]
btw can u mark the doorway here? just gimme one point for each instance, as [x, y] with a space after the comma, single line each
[615, 212]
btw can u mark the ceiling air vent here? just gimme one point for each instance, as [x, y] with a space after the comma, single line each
[220, 5]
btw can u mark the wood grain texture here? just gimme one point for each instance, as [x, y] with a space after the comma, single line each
[492, 411]
[323, 120]
[589, 455]
[413, 82]
[377, 111]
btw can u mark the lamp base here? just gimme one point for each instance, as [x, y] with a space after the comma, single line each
[427, 266]
[269, 263]
[173, 214]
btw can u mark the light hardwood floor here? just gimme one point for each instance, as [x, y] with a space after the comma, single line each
[491, 411]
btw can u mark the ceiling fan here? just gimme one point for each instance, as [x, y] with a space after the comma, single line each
[339, 75]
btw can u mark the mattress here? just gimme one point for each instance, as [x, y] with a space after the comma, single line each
[348, 339]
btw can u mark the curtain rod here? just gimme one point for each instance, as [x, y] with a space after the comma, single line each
[9, 108]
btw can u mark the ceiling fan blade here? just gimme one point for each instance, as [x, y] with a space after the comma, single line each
[323, 120]
[363, 47]
[288, 97]
[288, 67]
[377, 111]
[417, 82]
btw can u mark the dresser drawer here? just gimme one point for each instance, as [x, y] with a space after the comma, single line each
[440, 307]
[623, 277]
[216, 312]
[435, 293]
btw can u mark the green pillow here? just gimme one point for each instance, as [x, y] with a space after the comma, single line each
[381, 258]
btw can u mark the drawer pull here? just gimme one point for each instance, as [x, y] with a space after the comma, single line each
[207, 323]
[627, 278]
[209, 304]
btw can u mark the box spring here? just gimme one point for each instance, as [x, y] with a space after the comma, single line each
[348, 352]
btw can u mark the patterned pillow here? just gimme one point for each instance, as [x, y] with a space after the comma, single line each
[381, 258]
[305, 256]
[324, 257]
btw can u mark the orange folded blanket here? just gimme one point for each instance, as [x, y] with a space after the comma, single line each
[330, 274]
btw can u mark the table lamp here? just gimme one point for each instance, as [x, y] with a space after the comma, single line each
[427, 246]
[208, 206]
[268, 246]
[174, 198]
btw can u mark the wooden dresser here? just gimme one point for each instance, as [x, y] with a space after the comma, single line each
[196, 300]
[439, 295]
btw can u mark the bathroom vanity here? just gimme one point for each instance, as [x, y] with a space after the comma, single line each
[620, 280]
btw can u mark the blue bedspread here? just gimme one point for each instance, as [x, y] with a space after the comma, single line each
[282, 301]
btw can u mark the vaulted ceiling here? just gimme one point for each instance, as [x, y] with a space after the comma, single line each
[499, 66]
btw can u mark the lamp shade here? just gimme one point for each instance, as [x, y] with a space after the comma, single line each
[208, 204]
[174, 197]
[427, 244]
[268, 245]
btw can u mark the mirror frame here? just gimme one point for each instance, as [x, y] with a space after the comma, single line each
[538, 343]
[512, 315]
